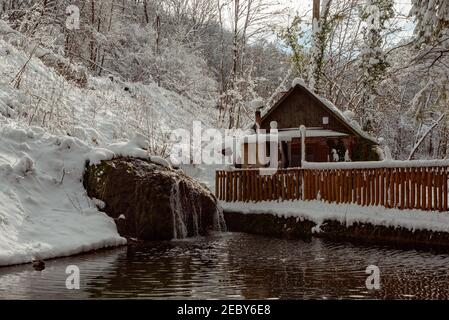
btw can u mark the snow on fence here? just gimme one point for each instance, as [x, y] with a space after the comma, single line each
[424, 188]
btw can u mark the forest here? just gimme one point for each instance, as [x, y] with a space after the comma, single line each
[384, 62]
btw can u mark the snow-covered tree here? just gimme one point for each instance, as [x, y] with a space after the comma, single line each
[373, 62]
[432, 21]
[319, 38]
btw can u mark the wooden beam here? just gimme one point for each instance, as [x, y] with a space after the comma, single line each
[316, 10]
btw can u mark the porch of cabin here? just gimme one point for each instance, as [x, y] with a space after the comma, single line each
[321, 145]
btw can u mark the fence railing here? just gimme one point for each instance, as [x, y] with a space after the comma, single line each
[249, 185]
[424, 188]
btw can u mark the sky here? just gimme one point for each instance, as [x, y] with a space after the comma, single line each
[402, 7]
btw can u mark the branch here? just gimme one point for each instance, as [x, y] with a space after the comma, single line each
[420, 141]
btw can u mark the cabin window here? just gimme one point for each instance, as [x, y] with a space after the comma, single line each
[325, 120]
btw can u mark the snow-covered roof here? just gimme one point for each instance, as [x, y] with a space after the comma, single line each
[350, 123]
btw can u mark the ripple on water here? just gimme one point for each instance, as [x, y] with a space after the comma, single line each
[237, 266]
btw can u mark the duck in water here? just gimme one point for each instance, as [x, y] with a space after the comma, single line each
[38, 264]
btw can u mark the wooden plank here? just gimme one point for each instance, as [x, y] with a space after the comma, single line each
[337, 186]
[429, 189]
[248, 185]
[418, 181]
[387, 187]
[231, 186]
[275, 187]
[364, 188]
[293, 185]
[297, 185]
[278, 186]
[289, 186]
[412, 188]
[264, 189]
[382, 187]
[440, 189]
[407, 188]
[257, 186]
[445, 190]
[344, 187]
[253, 185]
[223, 185]
[227, 186]
[402, 187]
[369, 180]
[392, 188]
[236, 186]
[376, 179]
[435, 182]
[423, 189]
[434, 188]
[282, 186]
[217, 181]
[240, 185]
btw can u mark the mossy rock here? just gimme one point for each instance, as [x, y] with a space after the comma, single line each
[158, 203]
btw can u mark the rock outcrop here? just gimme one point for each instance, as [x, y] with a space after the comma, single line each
[153, 202]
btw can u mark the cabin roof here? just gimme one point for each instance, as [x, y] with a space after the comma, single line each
[350, 124]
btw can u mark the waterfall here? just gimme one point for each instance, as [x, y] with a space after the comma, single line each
[196, 206]
[219, 220]
[188, 217]
[179, 226]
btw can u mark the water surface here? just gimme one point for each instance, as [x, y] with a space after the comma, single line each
[236, 266]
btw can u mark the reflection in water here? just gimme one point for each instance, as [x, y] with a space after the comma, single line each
[233, 266]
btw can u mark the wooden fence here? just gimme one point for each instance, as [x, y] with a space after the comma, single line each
[424, 188]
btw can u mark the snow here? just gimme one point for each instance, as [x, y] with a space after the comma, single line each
[298, 81]
[44, 208]
[347, 214]
[376, 164]
[160, 161]
[24, 166]
[257, 104]
[100, 114]
[349, 114]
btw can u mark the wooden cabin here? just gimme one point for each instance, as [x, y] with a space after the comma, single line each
[330, 135]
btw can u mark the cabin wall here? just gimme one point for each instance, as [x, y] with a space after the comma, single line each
[302, 108]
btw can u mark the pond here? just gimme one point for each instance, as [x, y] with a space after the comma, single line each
[236, 266]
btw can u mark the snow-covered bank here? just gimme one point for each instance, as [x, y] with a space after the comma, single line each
[347, 214]
[49, 127]
[44, 209]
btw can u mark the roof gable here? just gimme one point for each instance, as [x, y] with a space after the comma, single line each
[349, 124]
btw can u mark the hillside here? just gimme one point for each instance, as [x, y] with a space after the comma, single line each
[49, 126]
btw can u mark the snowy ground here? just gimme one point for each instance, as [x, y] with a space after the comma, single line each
[348, 214]
[103, 112]
[49, 127]
[44, 209]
